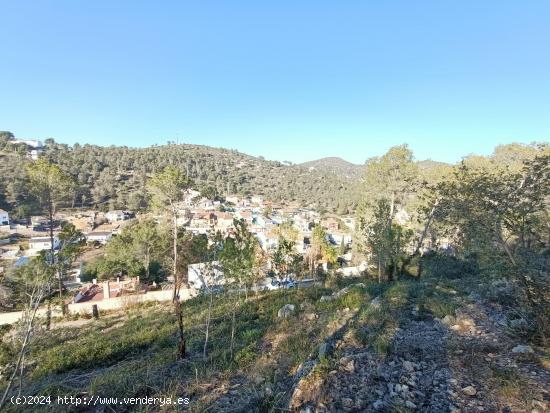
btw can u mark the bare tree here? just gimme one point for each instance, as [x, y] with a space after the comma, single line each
[35, 280]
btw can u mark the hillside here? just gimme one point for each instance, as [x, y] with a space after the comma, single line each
[335, 165]
[116, 176]
[431, 345]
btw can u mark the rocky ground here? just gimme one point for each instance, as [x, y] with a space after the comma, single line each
[465, 362]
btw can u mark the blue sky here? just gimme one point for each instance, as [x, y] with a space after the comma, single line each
[289, 80]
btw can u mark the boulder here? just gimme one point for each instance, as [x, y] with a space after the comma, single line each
[522, 349]
[469, 391]
[285, 311]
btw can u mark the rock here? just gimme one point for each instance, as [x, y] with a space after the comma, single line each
[310, 316]
[342, 292]
[407, 365]
[469, 391]
[448, 320]
[522, 349]
[305, 368]
[410, 404]
[539, 404]
[349, 366]
[375, 303]
[378, 405]
[285, 311]
[347, 402]
[519, 324]
[324, 350]
[326, 298]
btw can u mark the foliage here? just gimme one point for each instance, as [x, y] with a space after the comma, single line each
[502, 216]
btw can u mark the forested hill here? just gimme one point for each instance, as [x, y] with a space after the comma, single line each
[115, 176]
[335, 165]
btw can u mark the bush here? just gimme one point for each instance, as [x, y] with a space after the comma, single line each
[443, 265]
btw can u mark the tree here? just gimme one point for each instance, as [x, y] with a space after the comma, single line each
[167, 189]
[146, 243]
[385, 242]
[71, 245]
[34, 283]
[238, 257]
[50, 186]
[501, 216]
[320, 250]
[389, 183]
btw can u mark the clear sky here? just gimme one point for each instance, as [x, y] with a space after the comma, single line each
[286, 79]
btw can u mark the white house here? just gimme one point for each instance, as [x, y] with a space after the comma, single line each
[34, 147]
[43, 243]
[205, 274]
[233, 199]
[4, 218]
[99, 236]
[116, 215]
[257, 199]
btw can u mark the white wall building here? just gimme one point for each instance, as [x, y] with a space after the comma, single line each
[116, 215]
[43, 243]
[99, 236]
[4, 218]
[205, 274]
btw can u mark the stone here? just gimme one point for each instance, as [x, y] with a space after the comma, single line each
[378, 405]
[538, 404]
[469, 391]
[324, 350]
[410, 404]
[375, 303]
[522, 349]
[407, 365]
[347, 402]
[285, 311]
[349, 366]
[310, 316]
[326, 298]
[519, 324]
[448, 320]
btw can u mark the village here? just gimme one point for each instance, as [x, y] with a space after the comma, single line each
[24, 239]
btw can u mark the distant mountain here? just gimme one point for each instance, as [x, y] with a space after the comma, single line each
[335, 165]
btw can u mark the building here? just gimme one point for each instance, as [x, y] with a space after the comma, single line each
[116, 215]
[43, 243]
[34, 147]
[330, 224]
[4, 218]
[224, 221]
[232, 199]
[205, 274]
[99, 236]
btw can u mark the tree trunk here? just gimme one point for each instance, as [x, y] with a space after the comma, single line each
[208, 317]
[232, 330]
[422, 237]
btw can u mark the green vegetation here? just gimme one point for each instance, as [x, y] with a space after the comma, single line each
[135, 353]
[115, 177]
